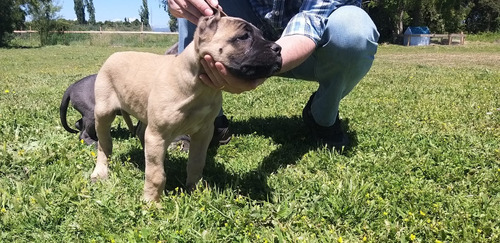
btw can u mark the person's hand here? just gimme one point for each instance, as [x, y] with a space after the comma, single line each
[191, 10]
[218, 77]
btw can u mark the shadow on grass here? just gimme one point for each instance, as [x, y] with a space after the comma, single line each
[21, 47]
[289, 133]
[294, 141]
[120, 133]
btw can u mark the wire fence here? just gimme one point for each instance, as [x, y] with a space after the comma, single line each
[97, 38]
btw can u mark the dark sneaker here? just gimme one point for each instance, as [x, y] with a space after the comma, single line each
[181, 143]
[332, 136]
[222, 135]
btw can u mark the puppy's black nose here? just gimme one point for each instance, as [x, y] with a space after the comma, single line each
[276, 48]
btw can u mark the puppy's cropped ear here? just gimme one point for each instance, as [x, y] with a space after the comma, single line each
[206, 28]
[218, 12]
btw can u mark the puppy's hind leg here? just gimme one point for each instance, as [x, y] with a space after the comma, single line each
[89, 140]
[140, 131]
[88, 133]
[129, 123]
[103, 122]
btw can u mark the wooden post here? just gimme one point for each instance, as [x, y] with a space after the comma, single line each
[142, 29]
[449, 39]
[462, 38]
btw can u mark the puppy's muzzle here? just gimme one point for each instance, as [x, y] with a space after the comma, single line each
[261, 63]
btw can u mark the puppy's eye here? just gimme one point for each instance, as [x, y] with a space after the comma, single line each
[243, 37]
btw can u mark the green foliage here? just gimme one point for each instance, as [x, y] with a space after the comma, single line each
[441, 16]
[44, 15]
[79, 11]
[484, 17]
[80, 6]
[144, 13]
[164, 4]
[449, 15]
[424, 167]
[89, 4]
[485, 37]
[172, 23]
[395, 11]
[11, 18]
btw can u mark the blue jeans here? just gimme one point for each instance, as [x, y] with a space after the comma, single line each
[341, 59]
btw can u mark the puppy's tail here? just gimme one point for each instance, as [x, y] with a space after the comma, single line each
[63, 109]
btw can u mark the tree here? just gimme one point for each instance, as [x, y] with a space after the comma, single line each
[44, 15]
[484, 16]
[144, 13]
[172, 22]
[79, 11]
[441, 16]
[11, 18]
[89, 4]
[390, 16]
[452, 15]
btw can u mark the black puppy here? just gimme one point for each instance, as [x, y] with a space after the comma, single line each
[82, 98]
[81, 95]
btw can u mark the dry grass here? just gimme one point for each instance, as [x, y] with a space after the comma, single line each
[469, 55]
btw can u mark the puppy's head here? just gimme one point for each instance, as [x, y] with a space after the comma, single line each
[239, 45]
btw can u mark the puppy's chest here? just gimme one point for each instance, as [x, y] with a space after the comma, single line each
[184, 113]
[199, 117]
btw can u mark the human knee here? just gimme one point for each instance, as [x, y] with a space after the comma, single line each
[350, 28]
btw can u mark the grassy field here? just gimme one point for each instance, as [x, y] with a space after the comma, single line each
[425, 165]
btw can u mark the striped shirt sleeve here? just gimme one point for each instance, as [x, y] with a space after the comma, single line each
[312, 18]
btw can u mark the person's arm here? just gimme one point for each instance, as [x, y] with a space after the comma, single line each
[295, 49]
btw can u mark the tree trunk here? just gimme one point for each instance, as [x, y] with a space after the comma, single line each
[400, 22]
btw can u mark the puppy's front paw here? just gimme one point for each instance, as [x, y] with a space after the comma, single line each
[100, 172]
[152, 205]
[151, 197]
[191, 187]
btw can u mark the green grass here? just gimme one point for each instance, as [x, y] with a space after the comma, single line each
[425, 166]
[485, 37]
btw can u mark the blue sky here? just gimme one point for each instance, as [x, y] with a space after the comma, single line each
[118, 10]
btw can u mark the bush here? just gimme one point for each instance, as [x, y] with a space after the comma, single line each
[485, 37]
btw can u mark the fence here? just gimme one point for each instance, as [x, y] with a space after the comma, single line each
[102, 37]
[450, 37]
[98, 32]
